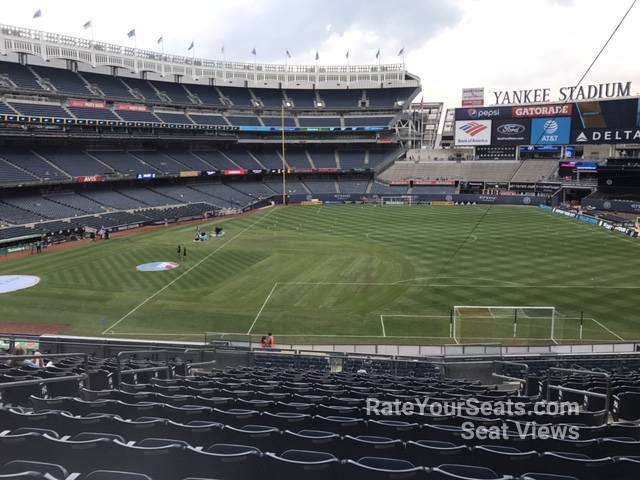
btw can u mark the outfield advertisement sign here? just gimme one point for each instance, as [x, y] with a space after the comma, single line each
[536, 111]
[334, 198]
[550, 131]
[511, 132]
[484, 113]
[603, 135]
[630, 232]
[472, 132]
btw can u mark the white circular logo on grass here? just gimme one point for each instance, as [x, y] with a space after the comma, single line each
[11, 283]
[156, 266]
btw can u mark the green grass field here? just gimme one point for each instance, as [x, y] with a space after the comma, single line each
[330, 274]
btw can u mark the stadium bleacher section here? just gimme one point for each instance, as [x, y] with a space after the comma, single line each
[40, 109]
[21, 76]
[110, 86]
[75, 163]
[497, 171]
[291, 416]
[64, 81]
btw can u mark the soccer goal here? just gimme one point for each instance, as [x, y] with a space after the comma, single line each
[405, 200]
[486, 323]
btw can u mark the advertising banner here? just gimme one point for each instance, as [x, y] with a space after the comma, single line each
[472, 97]
[84, 104]
[532, 111]
[450, 183]
[550, 131]
[132, 108]
[483, 113]
[90, 179]
[511, 132]
[604, 135]
[475, 132]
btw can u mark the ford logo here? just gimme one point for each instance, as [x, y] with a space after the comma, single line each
[511, 128]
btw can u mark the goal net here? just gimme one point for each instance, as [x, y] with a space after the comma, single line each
[493, 323]
[396, 200]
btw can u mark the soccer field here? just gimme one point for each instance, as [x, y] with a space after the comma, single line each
[330, 274]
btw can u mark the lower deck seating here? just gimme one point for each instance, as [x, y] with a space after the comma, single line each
[291, 423]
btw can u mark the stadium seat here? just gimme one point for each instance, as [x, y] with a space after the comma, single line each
[115, 475]
[504, 459]
[433, 452]
[464, 472]
[626, 406]
[394, 429]
[315, 440]
[582, 466]
[18, 466]
[303, 464]
[374, 468]
[367, 445]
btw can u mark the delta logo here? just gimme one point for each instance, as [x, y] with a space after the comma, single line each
[473, 128]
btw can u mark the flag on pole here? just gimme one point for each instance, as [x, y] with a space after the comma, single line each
[222, 49]
[401, 52]
[87, 25]
[253, 52]
[190, 46]
[288, 54]
[317, 55]
[160, 39]
[132, 33]
[347, 55]
[378, 55]
[37, 14]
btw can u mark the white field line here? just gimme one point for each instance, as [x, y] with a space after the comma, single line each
[264, 304]
[608, 330]
[374, 284]
[150, 297]
[410, 337]
[384, 333]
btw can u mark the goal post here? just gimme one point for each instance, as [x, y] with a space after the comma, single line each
[396, 200]
[499, 322]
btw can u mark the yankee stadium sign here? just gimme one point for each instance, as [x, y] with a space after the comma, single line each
[564, 94]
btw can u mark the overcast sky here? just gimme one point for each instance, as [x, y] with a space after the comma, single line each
[450, 44]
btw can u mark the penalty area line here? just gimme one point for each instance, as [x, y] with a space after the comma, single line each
[384, 333]
[150, 297]
[264, 304]
[609, 330]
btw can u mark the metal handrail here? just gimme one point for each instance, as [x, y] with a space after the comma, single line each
[123, 353]
[85, 356]
[40, 381]
[560, 388]
[508, 377]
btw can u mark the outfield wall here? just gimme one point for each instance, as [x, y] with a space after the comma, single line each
[612, 205]
[337, 198]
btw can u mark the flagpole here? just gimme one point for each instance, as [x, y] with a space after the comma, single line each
[284, 163]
